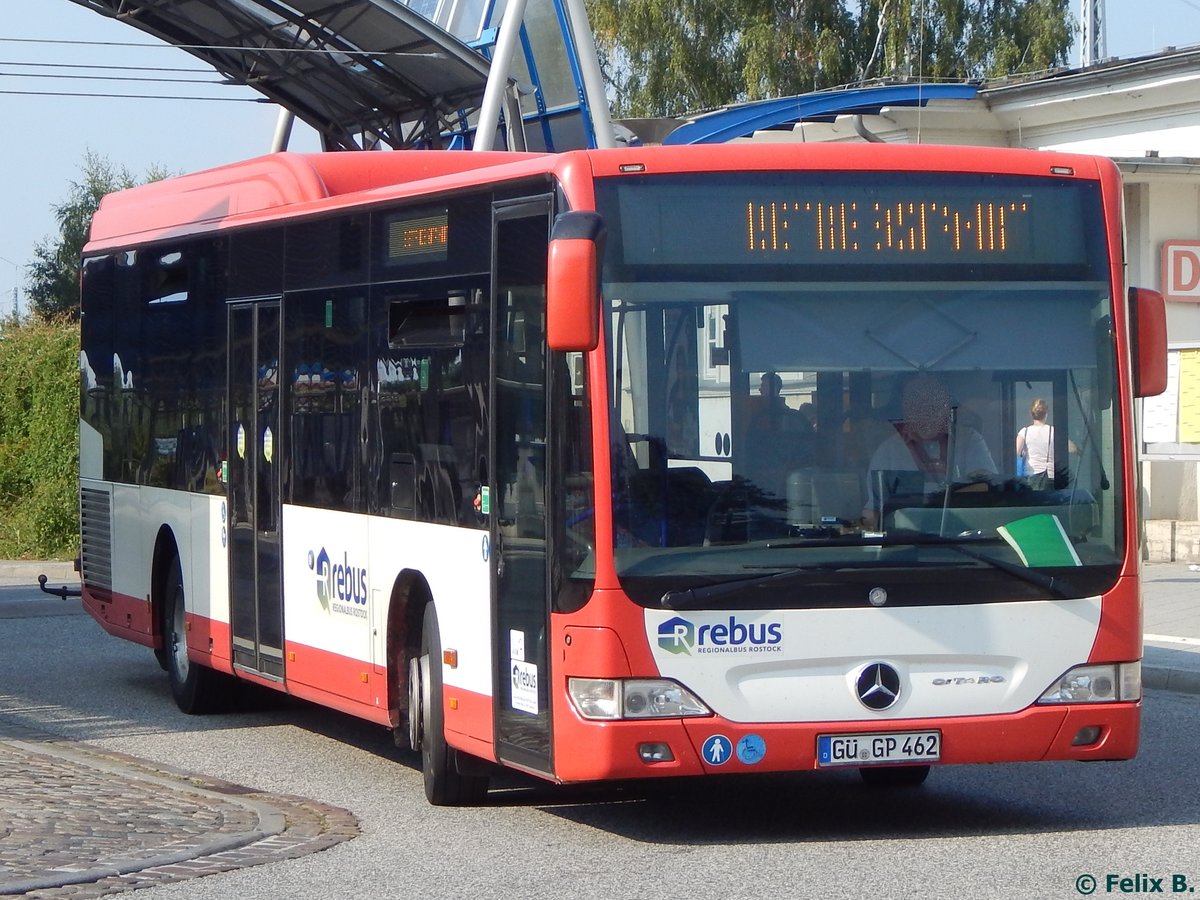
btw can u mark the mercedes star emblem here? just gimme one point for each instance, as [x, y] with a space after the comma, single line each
[878, 686]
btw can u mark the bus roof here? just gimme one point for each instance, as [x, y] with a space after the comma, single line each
[281, 185]
[265, 187]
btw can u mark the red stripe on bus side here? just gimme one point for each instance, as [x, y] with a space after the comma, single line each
[121, 615]
[348, 685]
[133, 619]
[310, 669]
[209, 642]
[469, 722]
[360, 689]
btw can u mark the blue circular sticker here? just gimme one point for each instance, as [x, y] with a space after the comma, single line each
[751, 749]
[487, 547]
[717, 750]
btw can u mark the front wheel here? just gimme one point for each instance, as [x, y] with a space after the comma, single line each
[196, 689]
[444, 784]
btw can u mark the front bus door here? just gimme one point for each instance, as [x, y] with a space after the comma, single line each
[519, 484]
[253, 485]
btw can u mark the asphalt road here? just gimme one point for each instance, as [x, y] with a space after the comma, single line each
[1030, 830]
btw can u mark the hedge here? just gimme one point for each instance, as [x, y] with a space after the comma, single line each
[39, 439]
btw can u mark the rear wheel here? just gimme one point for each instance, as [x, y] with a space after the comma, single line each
[894, 776]
[444, 784]
[196, 689]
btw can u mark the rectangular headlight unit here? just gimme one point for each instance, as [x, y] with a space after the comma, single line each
[640, 698]
[1109, 683]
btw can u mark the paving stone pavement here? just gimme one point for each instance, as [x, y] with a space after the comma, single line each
[80, 822]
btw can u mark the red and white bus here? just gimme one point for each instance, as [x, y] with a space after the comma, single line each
[604, 465]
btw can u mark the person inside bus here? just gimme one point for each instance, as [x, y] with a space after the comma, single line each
[770, 412]
[778, 438]
[923, 441]
[1035, 447]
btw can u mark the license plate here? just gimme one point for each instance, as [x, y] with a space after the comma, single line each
[877, 749]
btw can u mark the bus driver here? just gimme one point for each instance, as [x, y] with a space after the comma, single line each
[922, 442]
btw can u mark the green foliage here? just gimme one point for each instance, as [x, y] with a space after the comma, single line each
[53, 276]
[39, 439]
[669, 57]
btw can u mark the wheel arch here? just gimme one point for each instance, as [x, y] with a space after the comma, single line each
[166, 549]
[406, 610]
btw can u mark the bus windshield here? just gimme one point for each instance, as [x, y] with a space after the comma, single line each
[907, 375]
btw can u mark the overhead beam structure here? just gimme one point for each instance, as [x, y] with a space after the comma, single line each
[363, 74]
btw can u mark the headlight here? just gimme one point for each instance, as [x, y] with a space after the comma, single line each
[596, 698]
[646, 698]
[1097, 684]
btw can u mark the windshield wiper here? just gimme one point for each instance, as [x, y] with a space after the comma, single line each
[841, 540]
[1057, 586]
[699, 597]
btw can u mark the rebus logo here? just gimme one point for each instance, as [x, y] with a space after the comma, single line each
[338, 584]
[678, 635]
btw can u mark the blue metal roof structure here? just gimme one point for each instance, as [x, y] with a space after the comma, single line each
[553, 100]
[412, 73]
[742, 121]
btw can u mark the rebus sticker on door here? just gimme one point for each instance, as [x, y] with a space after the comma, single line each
[525, 687]
[524, 675]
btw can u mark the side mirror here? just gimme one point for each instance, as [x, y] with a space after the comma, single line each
[573, 281]
[1148, 316]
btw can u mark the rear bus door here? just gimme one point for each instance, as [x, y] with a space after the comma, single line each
[252, 451]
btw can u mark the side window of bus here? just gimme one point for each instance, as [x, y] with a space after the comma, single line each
[97, 349]
[431, 395]
[166, 375]
[572, 497]
[326, 339]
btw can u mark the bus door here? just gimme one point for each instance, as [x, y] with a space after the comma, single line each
[253, 485]
[518, 483]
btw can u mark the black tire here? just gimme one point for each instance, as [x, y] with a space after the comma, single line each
[894, 776]
[163, 653]
[444, 784]
[197, 689]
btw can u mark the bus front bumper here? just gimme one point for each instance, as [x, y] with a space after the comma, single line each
[597, 751]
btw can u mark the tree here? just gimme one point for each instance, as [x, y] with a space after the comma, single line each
[966, 39]
[669, 57]
[53, 276]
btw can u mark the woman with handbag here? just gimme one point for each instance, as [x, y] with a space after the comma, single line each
[1035, 448]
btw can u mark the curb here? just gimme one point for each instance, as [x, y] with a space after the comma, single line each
[1171, 667]
[287, 826]
[270, 820]
[26, 572]
[133, 867]
[1163, 678]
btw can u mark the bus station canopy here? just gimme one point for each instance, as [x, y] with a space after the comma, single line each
[364, 74]
[744, 120]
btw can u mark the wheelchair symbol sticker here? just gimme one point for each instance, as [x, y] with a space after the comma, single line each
[751, 749]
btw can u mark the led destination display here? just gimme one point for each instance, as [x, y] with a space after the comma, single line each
[853, 219]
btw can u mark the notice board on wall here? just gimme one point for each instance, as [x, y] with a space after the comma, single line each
[1171, 421]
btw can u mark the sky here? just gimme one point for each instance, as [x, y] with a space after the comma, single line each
[48, 127]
